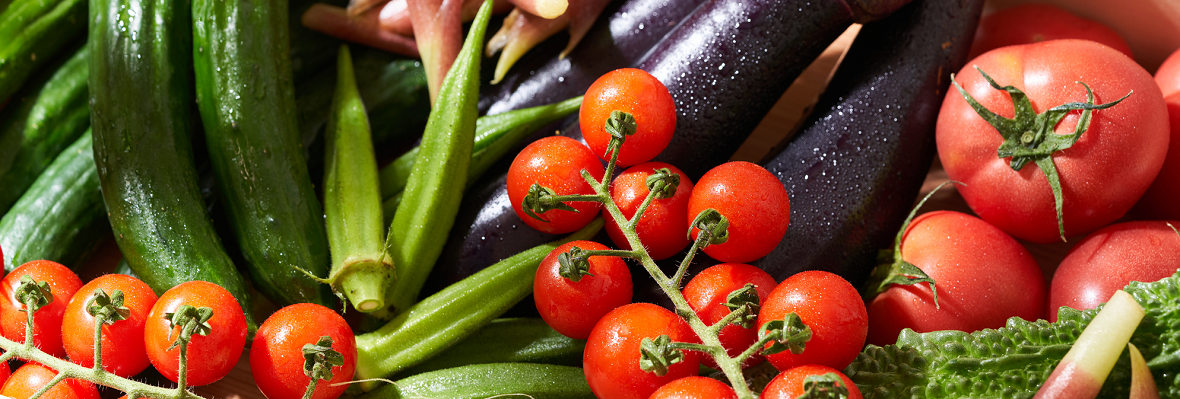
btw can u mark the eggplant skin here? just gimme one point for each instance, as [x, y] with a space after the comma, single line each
[854, 171]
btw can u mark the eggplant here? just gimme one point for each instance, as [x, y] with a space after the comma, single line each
[725, 66]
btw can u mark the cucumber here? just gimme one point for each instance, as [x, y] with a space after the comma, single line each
[140, 99]
[31, 33]
[495, 380]
[42, 119]
[247, 104]
[61, 217]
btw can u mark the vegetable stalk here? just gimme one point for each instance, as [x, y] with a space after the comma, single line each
[361, 269]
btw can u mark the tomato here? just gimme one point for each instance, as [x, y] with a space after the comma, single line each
[611, 359]
[1102, 175]
[1159, 202]
[555, 163]
[210, 357]
[982, 275]
[123, 352]
[662, 227]
[31, 377]
[789, 383]
[695, 387]
[276, 356]
[1033, 23]
[831, 307]
[1105, 261]
[1168, 75]
[707, 294]
[643, 96]
[754, 201]
[572, 308]
[63, 284]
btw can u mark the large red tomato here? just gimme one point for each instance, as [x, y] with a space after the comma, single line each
[982, 276]
[1161, 200]
[1168, 75]
[1107, 260]
[1032, 23]
[1102, 175]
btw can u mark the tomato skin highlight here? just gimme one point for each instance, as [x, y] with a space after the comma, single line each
[695, 387]
[662, 227]
[573, 308]
[63, 284]
[556, 163]
[123, 352]
[1102, 175]
[754, 201]
[1032, 23]
[276, 357]
[1108, 259]
[706, 293]
[643, 96]
[28, 379]
[210, 357]
[983, 277]
[789, 383]
[833, 309]
[611, 359]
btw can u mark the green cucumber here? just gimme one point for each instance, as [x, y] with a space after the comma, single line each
[31, 33]
[140, 99]
[61, 217]
[42, 119]
[247, 103]
[495, 380]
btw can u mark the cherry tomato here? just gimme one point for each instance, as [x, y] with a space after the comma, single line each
[31, 377]
[789, 383]
[572, 308]
[662, 227]
[555, 163]
[210, 357]
[1102, 175]
[1105, 261]
[123, 352]
[1033, 23]
[695, 387]
[754, 201]
[611, 359]
[983, 277]
[1159, 202]
[707, 293]
[643, 96]
[63, 284]
[276, 356]
[831, 307]
[1168, 75]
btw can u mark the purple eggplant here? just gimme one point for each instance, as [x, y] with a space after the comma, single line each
[725, 66]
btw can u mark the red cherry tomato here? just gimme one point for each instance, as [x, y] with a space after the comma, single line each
[789, 384]
[695, 387]
[572, 308]
[643, 96]
[1168, 75]
[1102, 175]
[63, 284]
[706, 294]
[611, 359]
[831, 307]
[754, 201]
[1033, 23]
[662, 227]
[276, 356]
[31, 377]
[123, 352]
[972, 263]
[1108, 259]
[555, 163]
[1159, 202]
[210, 357]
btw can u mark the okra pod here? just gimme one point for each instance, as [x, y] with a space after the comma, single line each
[516, 340]
[478, 381]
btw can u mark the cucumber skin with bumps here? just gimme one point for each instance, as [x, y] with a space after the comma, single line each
[140, 96]
[31, 33]
[247, 103]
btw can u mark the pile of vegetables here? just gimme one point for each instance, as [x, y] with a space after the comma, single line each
[267, 199]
